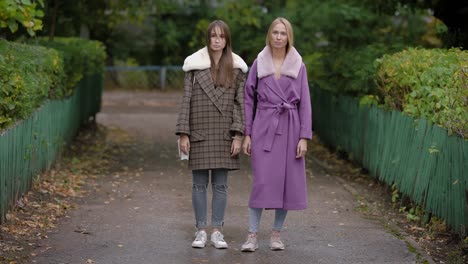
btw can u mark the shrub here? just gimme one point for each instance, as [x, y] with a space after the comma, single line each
[427, 83]
[80, 57]
[29, 74]
[26, 74]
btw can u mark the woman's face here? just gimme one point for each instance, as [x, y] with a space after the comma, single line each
[279, 36]
[217, 39]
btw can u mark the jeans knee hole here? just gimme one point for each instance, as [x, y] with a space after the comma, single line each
[199, 188]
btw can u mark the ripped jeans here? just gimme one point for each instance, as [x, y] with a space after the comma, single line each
[200, 179]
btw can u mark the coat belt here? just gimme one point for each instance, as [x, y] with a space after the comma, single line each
[274, 128]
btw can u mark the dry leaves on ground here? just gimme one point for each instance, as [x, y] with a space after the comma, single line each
[96, 151]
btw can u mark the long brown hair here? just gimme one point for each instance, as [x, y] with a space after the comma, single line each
[223, 74]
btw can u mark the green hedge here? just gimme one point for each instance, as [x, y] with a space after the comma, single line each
[29, 74]
[26, 75]
[427, 83]
[80, 56]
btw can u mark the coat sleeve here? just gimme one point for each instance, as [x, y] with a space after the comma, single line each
[238, 123]
[183, 120]
[305, 107]
[249, 98]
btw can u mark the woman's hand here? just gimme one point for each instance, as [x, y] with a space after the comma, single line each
[184, 143]
[301, 148]
[236, 145]
[246, 145]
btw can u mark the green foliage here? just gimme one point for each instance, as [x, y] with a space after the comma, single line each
[341, 39]
[171, 41]
[369, 100]
[199, 34]
[29, 74]
[132, 79]
[249, 25]
[80, 56]
[427, 83]
[26, 74]
[395, 194]
[412, 214]
[151, 31]
[99, 16]
[23, 12]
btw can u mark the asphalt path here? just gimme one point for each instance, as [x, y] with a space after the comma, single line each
[146, 216]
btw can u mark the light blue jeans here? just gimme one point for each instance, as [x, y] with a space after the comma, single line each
[255, 214]
[200, 179]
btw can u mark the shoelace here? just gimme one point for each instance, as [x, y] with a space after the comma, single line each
[251, 239]
[199, 236]
[219, 237]
[276, 238]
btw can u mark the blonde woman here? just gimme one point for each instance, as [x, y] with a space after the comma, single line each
[210, 126]
[276, 139]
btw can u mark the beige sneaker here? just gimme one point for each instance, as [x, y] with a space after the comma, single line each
[275, 241]
[251, 244]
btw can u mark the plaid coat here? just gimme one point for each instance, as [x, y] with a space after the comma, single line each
[210, 116]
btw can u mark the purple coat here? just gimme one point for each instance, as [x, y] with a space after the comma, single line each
[283, 116]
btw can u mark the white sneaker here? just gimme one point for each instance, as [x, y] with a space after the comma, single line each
[275, 242]
[251, 244]
[217, 239]
[200, 239]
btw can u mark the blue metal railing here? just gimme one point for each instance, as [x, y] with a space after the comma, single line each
[144, 68]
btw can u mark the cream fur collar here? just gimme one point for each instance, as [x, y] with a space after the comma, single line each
[200, 60]
[291, 65]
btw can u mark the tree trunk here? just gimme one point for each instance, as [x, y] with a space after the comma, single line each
[53, 20]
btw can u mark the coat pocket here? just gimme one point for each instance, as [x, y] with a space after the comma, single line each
[197, 135]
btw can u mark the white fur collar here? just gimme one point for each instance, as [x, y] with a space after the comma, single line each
[200, 60]
[291, 65]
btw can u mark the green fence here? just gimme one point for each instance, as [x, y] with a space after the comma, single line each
[32, 145]
[421, 159]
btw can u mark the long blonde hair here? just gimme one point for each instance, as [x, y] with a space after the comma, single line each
[223, 74]
[289, 32]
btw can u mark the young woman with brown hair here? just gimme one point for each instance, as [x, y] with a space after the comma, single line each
[211, 125]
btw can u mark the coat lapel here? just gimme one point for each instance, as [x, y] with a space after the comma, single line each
[203, 77]
[278, 86]
[218, 92]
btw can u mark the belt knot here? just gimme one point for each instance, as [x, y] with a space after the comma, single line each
[274, 128]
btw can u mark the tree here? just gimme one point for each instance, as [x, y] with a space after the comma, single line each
[454, 14]
[151, 31]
